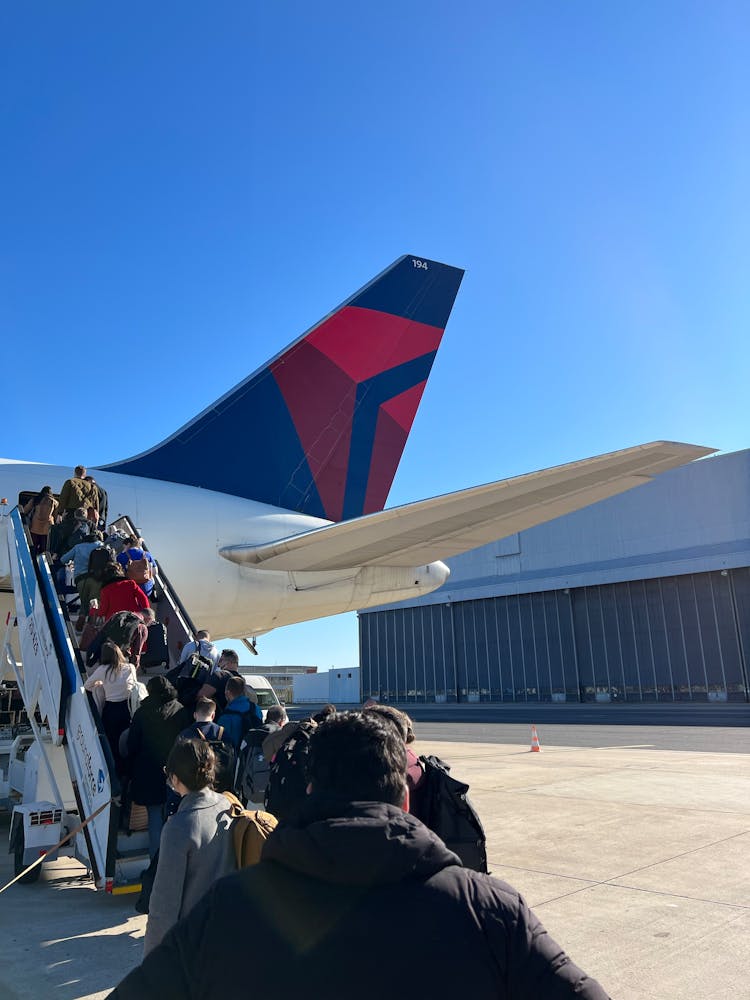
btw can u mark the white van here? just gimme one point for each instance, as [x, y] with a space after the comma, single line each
[262, 688]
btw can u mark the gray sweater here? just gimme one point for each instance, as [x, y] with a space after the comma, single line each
[196, 849]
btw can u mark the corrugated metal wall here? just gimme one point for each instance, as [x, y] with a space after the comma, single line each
[675, 638]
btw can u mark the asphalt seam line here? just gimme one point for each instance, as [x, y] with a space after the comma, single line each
[593, 883]
[684, 854]
[653, 892]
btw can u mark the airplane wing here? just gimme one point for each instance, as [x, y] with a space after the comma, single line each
[422, 532]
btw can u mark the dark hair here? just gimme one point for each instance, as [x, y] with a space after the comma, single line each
[204, 706]
[230, 654]
[113, 658]
[44, 493]
[80, 470]
[161, 689]
[193, 762]
[396, 718]
[275, 713]
[235, 686]
[324, 714]
[111, 573]
[101, 573]
[358, 756]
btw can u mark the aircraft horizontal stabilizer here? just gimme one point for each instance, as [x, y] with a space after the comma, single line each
[423, 532]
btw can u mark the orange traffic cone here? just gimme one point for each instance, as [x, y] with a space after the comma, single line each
[535, 747]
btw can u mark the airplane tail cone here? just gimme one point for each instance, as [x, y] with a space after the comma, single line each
[535, 746]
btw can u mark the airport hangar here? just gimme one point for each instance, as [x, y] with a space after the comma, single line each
[644, 597]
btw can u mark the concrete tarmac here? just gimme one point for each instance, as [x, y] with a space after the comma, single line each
[636, 859]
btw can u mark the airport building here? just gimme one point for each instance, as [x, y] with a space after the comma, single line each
[339, 685]
[281, 679]
[641, 597]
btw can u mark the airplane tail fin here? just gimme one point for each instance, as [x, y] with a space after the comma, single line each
[320, 429]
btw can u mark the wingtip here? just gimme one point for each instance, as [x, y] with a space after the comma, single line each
[697, 450]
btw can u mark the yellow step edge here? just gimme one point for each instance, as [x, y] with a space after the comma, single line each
[122, 890]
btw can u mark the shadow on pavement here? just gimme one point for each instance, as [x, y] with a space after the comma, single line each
[62, 938]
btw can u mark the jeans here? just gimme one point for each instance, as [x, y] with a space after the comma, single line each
[155, 824]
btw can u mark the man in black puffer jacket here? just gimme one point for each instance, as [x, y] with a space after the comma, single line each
[356, 898]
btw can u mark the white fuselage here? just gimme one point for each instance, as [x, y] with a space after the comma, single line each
[185, 527]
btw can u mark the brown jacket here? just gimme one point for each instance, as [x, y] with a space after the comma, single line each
[78, 493]
[43, 514]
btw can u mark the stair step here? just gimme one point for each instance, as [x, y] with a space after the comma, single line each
[133, 856]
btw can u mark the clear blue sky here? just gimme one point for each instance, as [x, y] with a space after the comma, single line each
[186, 187]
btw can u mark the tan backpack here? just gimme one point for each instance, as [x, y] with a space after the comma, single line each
[250, 831]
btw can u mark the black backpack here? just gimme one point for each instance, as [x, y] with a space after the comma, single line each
[157, 649]
[287, 778]
[225, 761]
[98, 559]
[442, 804]
[253, 770]
[191, 676]
[121, 629]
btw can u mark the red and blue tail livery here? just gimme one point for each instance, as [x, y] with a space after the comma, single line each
[322, 427]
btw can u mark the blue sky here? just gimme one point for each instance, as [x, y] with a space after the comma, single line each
[187, 187]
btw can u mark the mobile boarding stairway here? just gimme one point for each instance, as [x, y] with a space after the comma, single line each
[61, 772]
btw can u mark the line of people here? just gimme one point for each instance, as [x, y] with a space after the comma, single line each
[52, 521]
[203, 825]
[179, 756]
[143, 722]
[349, 878]
[114, 578]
